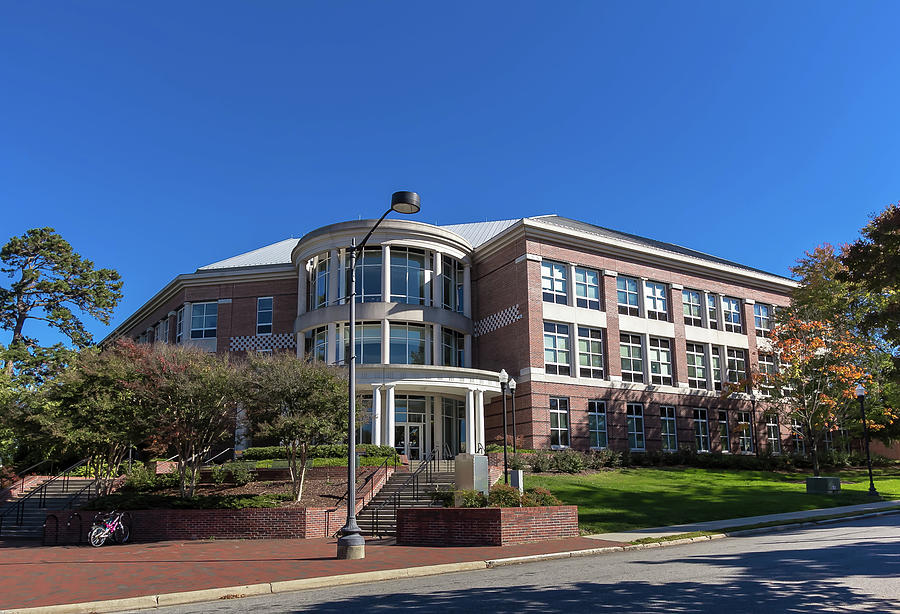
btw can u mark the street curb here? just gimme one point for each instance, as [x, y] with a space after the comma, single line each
[284, 586]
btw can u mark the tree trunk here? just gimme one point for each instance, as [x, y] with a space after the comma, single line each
[815, 456]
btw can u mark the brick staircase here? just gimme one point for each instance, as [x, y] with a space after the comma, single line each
[379, 516]
[34, 509]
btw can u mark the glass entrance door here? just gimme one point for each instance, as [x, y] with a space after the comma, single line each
[408, 440]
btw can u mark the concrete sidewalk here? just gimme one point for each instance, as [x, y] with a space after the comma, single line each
[733, 523]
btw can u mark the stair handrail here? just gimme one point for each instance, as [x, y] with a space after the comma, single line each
[394, 499]
[370, 479]
[40, 492]
[24, 474]
[209, 460]
[70, 502]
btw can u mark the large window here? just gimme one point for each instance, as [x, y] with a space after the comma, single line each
[367, 339]
[660, 351]
[696, 365]
[559, 422]
[762, 318]
[364, 424]
[553, 282]
[587, 288]
[452, 275]
[766, 371]
[317, 343]
[409, 408]
[655, 300]
[590, 352]
[627, 296]
[773, 434]
[597, 424]
[264, 315]
[731, 308]
[668, 431]
[319, 295]
[693, 315]
[368, 275]
[737, 366]
[408, 266]
[408, 343]
[701, 430]
[452, 347]
[632, 357]
[716, 357]
[745, 432]
[712, 311]
[203, 320]
[724, 439]
[634, 415]
[179, 325]
[797, 437]
[556, 348]
[161, 332]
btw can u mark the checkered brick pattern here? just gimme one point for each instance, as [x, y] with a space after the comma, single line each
[497, 320]
[253, 343]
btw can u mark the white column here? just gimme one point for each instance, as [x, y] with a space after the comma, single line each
[467, 351]
[331, 346]
[391, 415]
[301, 289]
[386, 273]
[334, 274]
[185, 324]
[470, 421]
[436, 353]
[467, 291]
[479, 409]
[300, 349]
[437, 285]
[385, 342]
[376, 414]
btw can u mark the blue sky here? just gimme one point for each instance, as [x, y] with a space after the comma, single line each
[159, 137]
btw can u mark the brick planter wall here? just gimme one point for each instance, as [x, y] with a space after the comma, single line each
[488, 526]
[63, 527]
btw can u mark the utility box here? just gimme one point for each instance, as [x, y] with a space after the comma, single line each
[823, 486]
[472, 473]
[517, 479]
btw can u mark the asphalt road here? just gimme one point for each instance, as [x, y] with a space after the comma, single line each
[848, 567]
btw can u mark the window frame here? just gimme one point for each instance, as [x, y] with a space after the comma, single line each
[597, 417]
[179, 325]
[771, 419]
[405, 339]
[270, 310]
[690, 318]
[554, 288]
[668, 420]
[634, 415]
[731, 365]
[701, 429]
[656, 293]
[631, 374]
[655, 348]
[203, 330]
[712, 311]
[627, 308]
[745, 432]
[558, 412]
[699, 383]
[731, 315]
[585, 286]
[724, 431]
[591, 338]
[556, 366]
[762, 322]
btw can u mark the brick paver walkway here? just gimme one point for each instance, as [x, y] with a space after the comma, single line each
[32, 575]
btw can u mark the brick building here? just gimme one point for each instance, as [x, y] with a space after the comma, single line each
[613, 339]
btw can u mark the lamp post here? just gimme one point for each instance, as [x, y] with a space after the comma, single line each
[504, 380]
[861, 395]
[351, 544]
[512, 398]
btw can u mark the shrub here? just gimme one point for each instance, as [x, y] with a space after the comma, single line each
[139, 479]
[240, 473]
[518, 461]
[8, 476]
[598, 459]
[267, 453]
[442, 496]
[218, 474]
[502, 495]
[470, 498]
[568, 461]
[541, 462]
[539, 497]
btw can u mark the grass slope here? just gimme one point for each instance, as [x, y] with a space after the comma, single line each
[627, 499]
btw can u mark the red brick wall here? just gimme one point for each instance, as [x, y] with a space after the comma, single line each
[160, 525]
[489, 526]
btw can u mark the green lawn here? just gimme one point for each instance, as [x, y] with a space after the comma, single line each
[626, 499]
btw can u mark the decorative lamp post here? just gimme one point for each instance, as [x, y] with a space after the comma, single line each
[861, 395]
[351, 544]
[504, 380]
[512, 398]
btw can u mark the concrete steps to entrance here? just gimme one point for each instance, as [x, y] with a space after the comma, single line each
[379, 516]
[34, 511]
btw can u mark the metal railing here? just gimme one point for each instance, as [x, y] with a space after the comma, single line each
[371, 479]
[24, 475]
[38, 496]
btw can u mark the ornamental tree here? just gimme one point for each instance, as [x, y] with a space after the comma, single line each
[297, 403]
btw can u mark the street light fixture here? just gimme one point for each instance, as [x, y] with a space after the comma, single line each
[504, 381]
[351, 544]
[861, 395]
[512, 397]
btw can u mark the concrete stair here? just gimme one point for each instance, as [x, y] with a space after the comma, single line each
[379, 516]
[34, 511]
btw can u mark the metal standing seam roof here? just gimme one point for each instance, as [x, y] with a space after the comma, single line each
[276, 253]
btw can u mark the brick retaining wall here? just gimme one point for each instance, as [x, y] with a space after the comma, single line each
[488, 526]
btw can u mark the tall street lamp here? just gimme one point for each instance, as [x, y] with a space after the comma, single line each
[861, 395]
[504, 380]
[351, 544]
[512, 397]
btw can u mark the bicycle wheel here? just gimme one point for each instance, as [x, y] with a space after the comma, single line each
[122, 533]
[97, 536]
